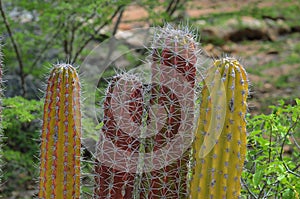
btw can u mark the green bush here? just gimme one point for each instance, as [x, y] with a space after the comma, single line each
[21, 126]
[273, 159]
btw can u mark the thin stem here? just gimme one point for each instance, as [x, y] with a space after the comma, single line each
[270, 144]
[46, 47]
[118, 21]
[85, 43]
[282, 145]
[173, 5]
[248, 189]
[16, 49]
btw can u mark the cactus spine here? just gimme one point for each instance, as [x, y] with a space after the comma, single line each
[219, 158]
[61, 136]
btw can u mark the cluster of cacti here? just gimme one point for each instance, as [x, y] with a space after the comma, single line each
[220, 146]
[136, 156]
[174, 55]
[61, 136]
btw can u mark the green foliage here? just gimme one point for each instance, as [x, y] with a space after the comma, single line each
[47, 31]
[273, 158]
[21, 128]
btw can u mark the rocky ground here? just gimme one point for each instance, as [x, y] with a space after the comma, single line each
[264, 35]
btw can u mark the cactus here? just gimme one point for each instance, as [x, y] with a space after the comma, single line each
[176, 49]
[219, 153]
[61, 136]
[115, 179]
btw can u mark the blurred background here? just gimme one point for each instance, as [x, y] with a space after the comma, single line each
[264, 35]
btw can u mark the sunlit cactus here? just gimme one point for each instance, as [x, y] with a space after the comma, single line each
[174, 55]
[220, 143]
[61, 136]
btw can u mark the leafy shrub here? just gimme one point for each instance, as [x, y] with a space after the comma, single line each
[21, 133]
[273, 159]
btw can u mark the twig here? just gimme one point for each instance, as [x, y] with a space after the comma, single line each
[46, 47]
[118, 21]
[295, 142]
[85, 43]
[248, 189]
[172, 8]
[270, 144]
[262, 190]
[16, 49]
[75, 27]
[282, 145]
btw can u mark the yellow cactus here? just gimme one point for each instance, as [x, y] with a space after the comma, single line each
[61, 132]
[220, 142]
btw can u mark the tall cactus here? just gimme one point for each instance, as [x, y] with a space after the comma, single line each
[175, 49]
[220, 148]
[61, 136]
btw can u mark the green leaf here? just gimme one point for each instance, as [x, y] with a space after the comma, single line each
[257, 177]
[99, 126]
[288, 194]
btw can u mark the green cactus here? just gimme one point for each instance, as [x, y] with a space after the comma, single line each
[61, 136]
[219, 150]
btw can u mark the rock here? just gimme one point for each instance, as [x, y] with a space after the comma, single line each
[247, 28]
[278, 26]
[295, 28]
[211, 33]
[212, 50]
[268, 87]
[23, 16]
[136, 37]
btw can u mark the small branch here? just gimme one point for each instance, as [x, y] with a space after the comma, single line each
[248, 189]
[46, 47]
[270, 144]
[262, 191]
[72, 42]
[66, 42]
[85, 43]
[172, 8]
[282, 145]
[75, 27]
[295, 142]
[118, 22]
[16, 49]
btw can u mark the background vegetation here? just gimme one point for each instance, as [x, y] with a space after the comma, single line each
[35, 34]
